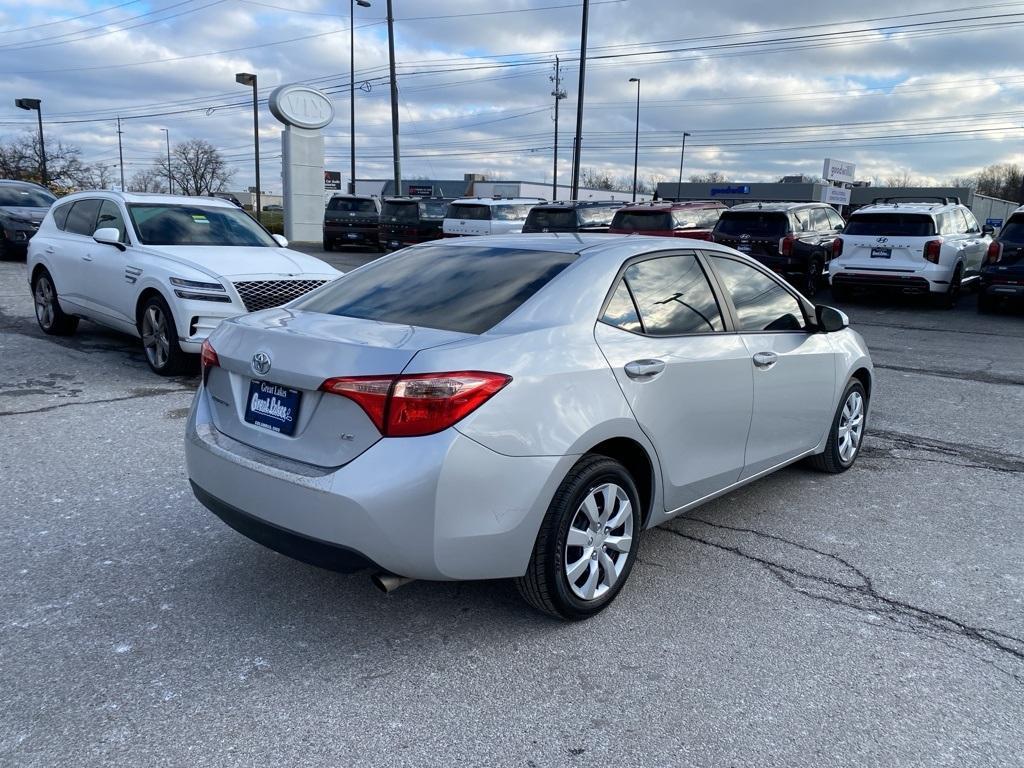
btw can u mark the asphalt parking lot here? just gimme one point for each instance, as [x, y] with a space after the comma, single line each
[871, 618]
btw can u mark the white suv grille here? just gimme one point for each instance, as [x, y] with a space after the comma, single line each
[264, 294]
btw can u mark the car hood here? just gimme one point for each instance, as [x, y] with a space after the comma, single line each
[32, 215]
[239, 261]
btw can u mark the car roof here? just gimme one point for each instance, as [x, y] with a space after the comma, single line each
[154, 198]
[777, 206]
[344, 195]
[908, 207]
[672, 205]
[559, 204]
[499, 200]
[585, 244]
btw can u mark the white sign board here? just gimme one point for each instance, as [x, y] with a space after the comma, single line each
[838, 170]
[835, 196]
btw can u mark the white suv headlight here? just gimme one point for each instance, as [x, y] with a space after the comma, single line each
[198, 290]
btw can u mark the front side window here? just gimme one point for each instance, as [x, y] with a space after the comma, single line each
[972, 223]
[470, 212]
[176, 224]
[468, 289]
[762, 304]
[82, 218]
[673, 296]
[110, 216]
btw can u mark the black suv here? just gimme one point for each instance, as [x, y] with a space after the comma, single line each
[22, 207]
[408, 220]
[351, 220]
[793, 239]
[572, 216]
[1002, 274]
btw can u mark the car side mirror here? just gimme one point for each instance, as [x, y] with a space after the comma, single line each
[988, 229]
[281, 240]
[839, 230]
[109, 236]
[831, 319]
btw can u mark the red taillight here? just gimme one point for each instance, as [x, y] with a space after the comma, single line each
[837, 248]
[418, 404]
[786, 245]
[995, 252]
[931, 251]
[208, 356]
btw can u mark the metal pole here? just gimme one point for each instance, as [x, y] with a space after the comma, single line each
[559, 94]
[42, 145]
[256, 144]
[636, 140]
[352, 94]
[170, 177]
[395, 151]
[682, 154]
[578, 140]
[120, 153]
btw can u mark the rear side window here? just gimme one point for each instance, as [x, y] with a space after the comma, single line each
[890, 224]
[351, 206]
[468, 289]
[753, 223]
[596, 217]
[762, 304]
[673, 296]
[473, 212]
[60, 215]
[819, 220]
[643, 221]
[621, 311]
[511, 212]
[82, 219]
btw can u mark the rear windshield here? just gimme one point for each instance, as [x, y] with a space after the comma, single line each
[351, 206]
[642, 221]
[468, 289]
[1013, 230]
[551, 218]
[474, 212]
[891, 224]
[433, 209]
[405, 211]
[753, 223]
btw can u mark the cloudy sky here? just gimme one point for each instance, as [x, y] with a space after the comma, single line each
[765, 89]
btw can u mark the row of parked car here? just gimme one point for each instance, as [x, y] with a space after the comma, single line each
[934, 248]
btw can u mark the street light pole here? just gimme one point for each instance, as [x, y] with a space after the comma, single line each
[636, 140]
[170, 178]
[247, 78]
[120, 153]
[395, 151]
[352, 87]
[578, 139]
[682, 154]
[37, 105]
[559, 94]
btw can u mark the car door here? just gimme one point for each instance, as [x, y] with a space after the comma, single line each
[687, 379]
[113, 274]
[793, 368]
[76, 254]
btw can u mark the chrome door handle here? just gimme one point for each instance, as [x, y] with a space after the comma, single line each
[765, 359]
[87, 257]
[644, 369]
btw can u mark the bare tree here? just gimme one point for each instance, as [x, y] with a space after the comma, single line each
[197, 168]
[20, 158]
[148, 180]
[902, 179]
[1002, 180]
[592, 178]
[969, 181]
[715, 177]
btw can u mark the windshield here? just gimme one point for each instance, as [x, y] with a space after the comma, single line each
[642, 221]
[890, 224]
[167, 224]
[1013, 230]
[25, 197]
[753, 223]
[468, 289]
[351, 205]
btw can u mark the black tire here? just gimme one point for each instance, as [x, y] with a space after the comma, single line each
[813, 277]
[51, 318]
[546, 584]
[832, 460]
[987, 304]
[948, 298]
[328, 244]
[164, 354]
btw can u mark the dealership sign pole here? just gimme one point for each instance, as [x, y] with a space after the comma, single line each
[577, 148]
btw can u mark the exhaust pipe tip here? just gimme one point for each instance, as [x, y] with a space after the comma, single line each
[389, 582]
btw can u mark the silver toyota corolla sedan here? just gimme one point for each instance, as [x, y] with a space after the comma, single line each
[519, 407]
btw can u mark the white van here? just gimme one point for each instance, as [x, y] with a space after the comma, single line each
[487, 215]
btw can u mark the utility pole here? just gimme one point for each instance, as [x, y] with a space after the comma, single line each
[559, 94]
[352, 87]
[395, 151]
[636, 145]
[577, 148]
[170, 178]
[120, 152]
[682, 154]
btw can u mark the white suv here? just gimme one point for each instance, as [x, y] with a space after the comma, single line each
[487, 216]
[166, 268]
[912, 247]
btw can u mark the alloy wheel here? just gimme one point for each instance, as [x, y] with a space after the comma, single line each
[599, 541]
[44, 300]
[154, 336]
[851, 427]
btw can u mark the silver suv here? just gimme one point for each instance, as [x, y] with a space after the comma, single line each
[911, 247]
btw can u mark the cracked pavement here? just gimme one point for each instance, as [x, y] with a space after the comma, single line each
[871, 618]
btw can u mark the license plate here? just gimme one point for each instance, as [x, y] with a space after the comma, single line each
[1004, 289]
[743, 248]
[881, 253]
[272, 407]
[352, 235]
[394, 244]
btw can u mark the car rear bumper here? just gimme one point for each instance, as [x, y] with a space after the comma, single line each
[436, 507]
[908, 284]
[351, 234]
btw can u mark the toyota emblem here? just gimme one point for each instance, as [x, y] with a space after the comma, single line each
[261, 363]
